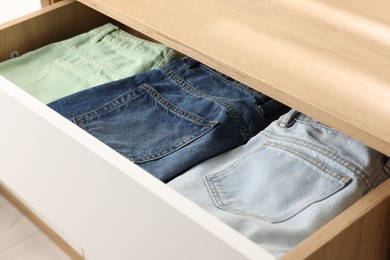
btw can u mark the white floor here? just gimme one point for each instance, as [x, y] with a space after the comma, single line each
[20, 239]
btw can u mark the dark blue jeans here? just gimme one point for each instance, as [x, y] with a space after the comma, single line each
[170, 119]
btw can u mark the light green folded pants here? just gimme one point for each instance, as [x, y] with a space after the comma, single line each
[99, 56]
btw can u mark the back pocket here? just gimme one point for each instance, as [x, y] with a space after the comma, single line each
[143, 126]
[274, 183]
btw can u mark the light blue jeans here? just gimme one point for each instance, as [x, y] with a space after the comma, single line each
[286, 182]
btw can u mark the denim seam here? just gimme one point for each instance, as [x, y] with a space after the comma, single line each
[380, 175]
[76, 51]
[206, 126]
[99, 33]
[164, 59]
[157, 155]
[328, 153]
[320, 165]
[72, 67]
[339, 178]
[244, 129]
[123, 37]
[172, 107]
[237, 84]
[79, 123]
[360, 173]
[238, 162]
[316, 124]
[120, 47]
[165, 103]
[277, 219]
[113, 104]
[38, 76]
[60, 63]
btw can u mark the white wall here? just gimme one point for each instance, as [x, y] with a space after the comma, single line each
[10, 9]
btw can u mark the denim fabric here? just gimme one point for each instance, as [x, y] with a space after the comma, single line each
[286, 182]
[99, 56]
[169, 119]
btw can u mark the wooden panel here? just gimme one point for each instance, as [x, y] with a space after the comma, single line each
[361, 232]
[57, 22]
[45, 3]
[329, 60]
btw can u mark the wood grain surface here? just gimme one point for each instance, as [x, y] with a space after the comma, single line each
[45, 3]
[329, 59]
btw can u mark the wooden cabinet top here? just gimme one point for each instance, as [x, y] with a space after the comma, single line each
[327, 58]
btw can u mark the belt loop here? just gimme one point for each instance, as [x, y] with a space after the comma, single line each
[190, 63]
[287, 119]
[269, 106]
[99, 33]
[387, 167]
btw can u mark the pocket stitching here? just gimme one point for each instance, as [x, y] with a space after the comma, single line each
[360, 173]
[343, 178]
[340, 182]
[74, 69]
[69, 46]
[239, 85]
[37, 77]
[165, 104]
[109, 106]
[219, 202]
[188, 140]
[79, 123]
[245, 131]
[172, 107]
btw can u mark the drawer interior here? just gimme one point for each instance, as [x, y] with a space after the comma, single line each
[360, 232]
[51, 24]
[69, 18]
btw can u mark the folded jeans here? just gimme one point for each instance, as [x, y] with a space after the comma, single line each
[170, 119]
[286, 182]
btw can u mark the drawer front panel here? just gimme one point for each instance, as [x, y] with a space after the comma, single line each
[95, 196]
[97, 200]
[109, 207]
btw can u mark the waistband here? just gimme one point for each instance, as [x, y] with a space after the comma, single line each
[370, 166]
[113, 37]
[238, 102]
[265, 103]
[288, 119]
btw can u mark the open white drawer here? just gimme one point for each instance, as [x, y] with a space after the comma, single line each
[108, 207]
[105, 207]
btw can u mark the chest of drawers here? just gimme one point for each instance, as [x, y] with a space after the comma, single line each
[101, 206]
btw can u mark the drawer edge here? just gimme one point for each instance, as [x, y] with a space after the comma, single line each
[70, 178]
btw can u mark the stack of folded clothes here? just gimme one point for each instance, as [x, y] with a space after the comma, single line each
[270, 172]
